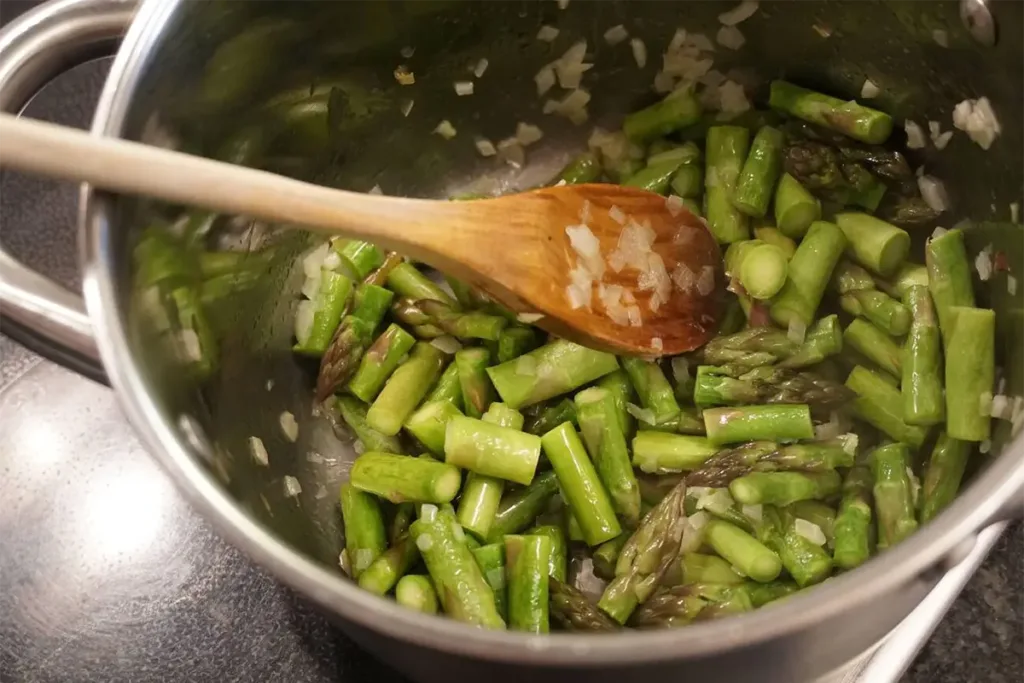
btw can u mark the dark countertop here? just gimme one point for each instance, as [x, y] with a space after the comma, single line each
[183, 605]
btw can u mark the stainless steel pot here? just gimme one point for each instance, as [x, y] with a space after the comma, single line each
[194, 74]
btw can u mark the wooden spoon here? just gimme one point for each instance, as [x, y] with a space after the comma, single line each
[515, 248]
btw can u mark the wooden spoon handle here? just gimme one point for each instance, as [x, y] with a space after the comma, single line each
[134, 168]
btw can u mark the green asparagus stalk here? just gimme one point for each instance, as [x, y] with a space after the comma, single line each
[353, 412]
[646, 557]
[795, 208]
[776, 238]
[400, 478]
[749, 348]
[526, 575]
[664, 453]
[661, 151]
[553, 369]
[922, 362]
[763, 593]
[405, 389]
[482, 494]
[688, 182]
[654, 177]
[491, 450]
[583, 169]
[519, 508]
[352, 338]
[853, 528]
[907, 275]
[725, 150]
[416, 592]
[949, 277]
[429, 422]
[849, 118]
[365, 538]
[823, 339]
[617, 383]
[670, 608]
[447, 388]
[558, 564]
[550, 416]
[848, 277]
[768, 385]
[514, 341]
[942, 475]
[970, 371]
[873, 243]
[875, 345]
[879, 308]
[760, 267]
[758, 423]
[381, 576]
[880, 405]
[379, 361]
[784, 488]
[806, 562]
[760, 172]
[697, 568]
[407, 281]
[491, 559]
[602, 434]
[580, 485]
[358, 258]
[401, 518]
[462, 589]
[744, 552]
[607, 554]
[808, 274]
[329, 306]
[476, 387]
[893, 498]
[767, 456]
[679, 110]
[573, 611]
[652, 388]
[427, 314]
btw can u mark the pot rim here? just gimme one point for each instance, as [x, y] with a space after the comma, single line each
[921, 558]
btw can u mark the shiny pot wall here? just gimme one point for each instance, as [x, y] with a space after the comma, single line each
[307, 89]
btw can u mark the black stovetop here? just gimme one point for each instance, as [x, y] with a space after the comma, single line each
[107, 575]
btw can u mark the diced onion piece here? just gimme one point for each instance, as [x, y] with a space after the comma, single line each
[292, 487]
[446, 344]
[304, 321]
[289, 427]
[639, 52]
[869, 89]
[657, 345]
[939, 231]
[1014, 212]
[693, 532]
[698, 492]
[754, 512]
[706, 281]
[259, 451]
[978, 120]
[617, 215]
[822, 30]
[562, 4]
[829, 430]
[485, 147]
[716, 500]
[633, 313]
[315, 458]
[428, 512]
[985, 446]
[408, 51]
[512, 152]
[359, 447]
[573, 106]
[1001, 407]
[463, 88]
[407, 107]
[643, 414]
[445, 129]
[481, 67]
[527, 134]
[730, 37]
[545, 79]
[741, 12]
[699, 520]
[526, 365]
[850, 442]
[314, 260]
[933, 192]
[570, 67]
[797, 331]
[1017, 416]
[940, 37]
[681, 369]
[983, 263]
[310, 287]
[588, 248]
[529, 318]
[683, 278]
[942, 139]
[269, 385]
[616, 34]
[809, 530]
[1011, 285]
[333, 259]
[404, 76]
[915, 136]
[547, 33]
[732, 98]
[674, 204]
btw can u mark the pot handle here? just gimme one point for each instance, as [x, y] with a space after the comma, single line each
[34, 48]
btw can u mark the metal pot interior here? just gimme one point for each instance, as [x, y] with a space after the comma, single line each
[309, 88]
